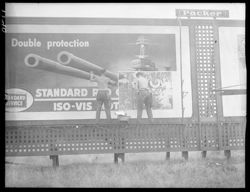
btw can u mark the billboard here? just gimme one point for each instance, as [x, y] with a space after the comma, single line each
[47, 74]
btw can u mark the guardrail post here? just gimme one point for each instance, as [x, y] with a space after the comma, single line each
[55, 160]
[204, 154]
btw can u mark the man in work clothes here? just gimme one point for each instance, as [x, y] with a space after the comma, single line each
[144, 96]
[103, 95]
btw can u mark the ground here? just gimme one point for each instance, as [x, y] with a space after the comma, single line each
[139, 170]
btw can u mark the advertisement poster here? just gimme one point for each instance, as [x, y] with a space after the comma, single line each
[160, 86]
[44, 81]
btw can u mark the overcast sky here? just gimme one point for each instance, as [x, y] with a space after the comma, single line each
[121, 10]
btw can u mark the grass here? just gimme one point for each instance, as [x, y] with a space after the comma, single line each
[139, 170]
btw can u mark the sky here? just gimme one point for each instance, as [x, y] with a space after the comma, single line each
[119, 10]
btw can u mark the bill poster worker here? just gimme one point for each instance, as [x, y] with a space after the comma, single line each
[144, 96]
[103, 95]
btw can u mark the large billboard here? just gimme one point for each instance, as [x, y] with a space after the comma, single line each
[44, 81]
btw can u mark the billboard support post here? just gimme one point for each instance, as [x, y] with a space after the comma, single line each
[216, 59]
[55, 161]
[182, 81]
[117, 156]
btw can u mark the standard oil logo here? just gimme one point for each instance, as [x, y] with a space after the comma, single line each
[17, 100]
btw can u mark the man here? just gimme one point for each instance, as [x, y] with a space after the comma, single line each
[144, 96]
[103, 95]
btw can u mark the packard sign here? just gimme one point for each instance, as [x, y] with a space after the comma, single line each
[201, 13]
